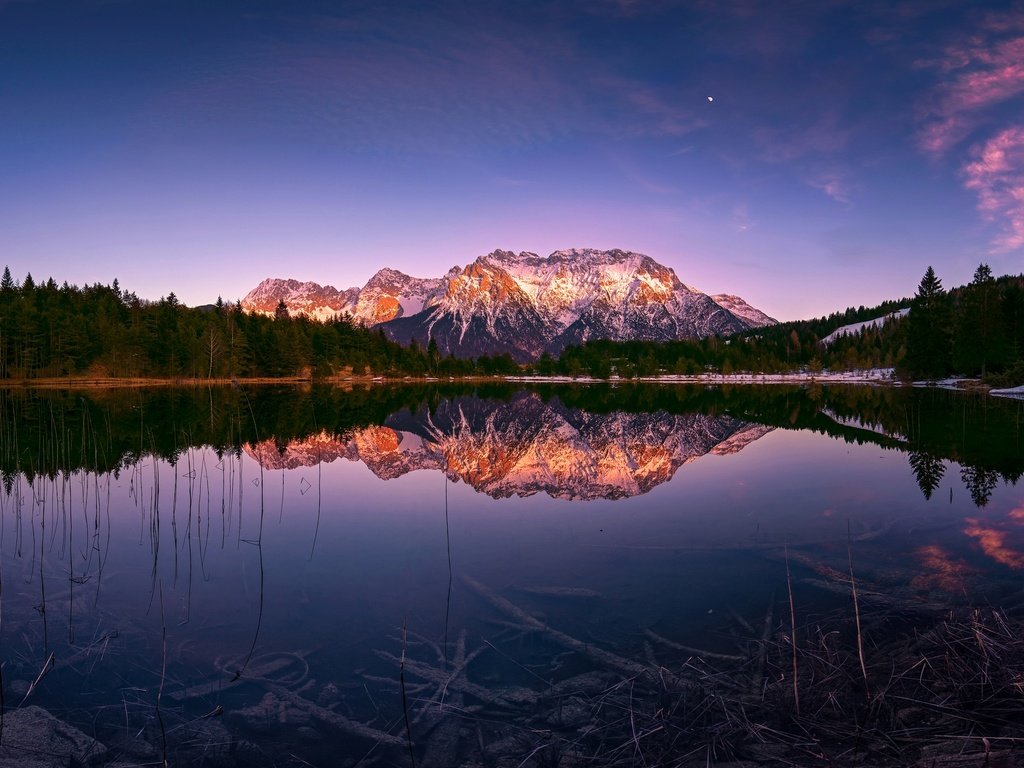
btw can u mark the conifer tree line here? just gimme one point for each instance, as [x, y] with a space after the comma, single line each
[48, 330]
[976, 331]
[102, 331]
[781, 348]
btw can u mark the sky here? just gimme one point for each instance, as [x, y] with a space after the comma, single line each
[807, 156]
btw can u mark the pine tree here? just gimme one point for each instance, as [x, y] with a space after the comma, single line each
[7, 283]
[978, 336]
[928, 334]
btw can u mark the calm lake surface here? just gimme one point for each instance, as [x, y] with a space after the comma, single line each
[232, 576]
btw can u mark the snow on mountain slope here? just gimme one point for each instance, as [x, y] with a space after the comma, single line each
[860, 327]
[318, 302]
[755, 317]
[524, 304]
[387, 295]
[390, 294]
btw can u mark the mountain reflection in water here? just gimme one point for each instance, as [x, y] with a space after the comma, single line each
[223, 577]
[524, 446]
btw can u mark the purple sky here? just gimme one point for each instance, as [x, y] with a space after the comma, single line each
[198, 147]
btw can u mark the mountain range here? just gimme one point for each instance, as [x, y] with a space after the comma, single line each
[522, 304]
[525, 445]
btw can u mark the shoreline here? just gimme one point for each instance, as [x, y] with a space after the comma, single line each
[118, 382]
[872, 377]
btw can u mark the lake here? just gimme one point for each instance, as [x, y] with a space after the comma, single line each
[491, 575]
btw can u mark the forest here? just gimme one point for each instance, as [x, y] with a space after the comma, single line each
[975, 331]
[102, 331]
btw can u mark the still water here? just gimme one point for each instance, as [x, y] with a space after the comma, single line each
[491, 576]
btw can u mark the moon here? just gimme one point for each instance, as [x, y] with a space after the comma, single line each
[711, 98]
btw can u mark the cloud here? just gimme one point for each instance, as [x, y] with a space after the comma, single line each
[982, 84]
[643, 110]
[638, 176]
[833, 184]
[438, 82]
[996, 175]
[980, 75]
[741, 220]
[829, 134]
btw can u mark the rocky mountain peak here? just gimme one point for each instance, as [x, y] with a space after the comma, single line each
[743, 310]
[524, 304]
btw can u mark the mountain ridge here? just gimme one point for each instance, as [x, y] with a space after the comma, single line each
[522, 304]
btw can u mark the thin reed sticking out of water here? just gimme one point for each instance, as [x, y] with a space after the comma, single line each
[405, 700]
[792, 635]
[856, 614]
[163, 676]
[47, 666]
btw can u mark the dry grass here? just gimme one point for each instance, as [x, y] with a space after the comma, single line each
[945, 692]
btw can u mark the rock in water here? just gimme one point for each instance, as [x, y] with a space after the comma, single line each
[33, 738]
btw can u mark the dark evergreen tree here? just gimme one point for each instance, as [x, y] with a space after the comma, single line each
[7, 282]
[1013, 321]
[928, 331]
[978, 340]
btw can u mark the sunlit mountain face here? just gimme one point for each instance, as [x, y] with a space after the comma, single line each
[525, 445]
[522, 304]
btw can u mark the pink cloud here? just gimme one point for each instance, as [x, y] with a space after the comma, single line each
[987, 74]
[834, 185]
[996, 175]
[981, 75]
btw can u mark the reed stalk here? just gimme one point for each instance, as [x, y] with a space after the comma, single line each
[792, 633]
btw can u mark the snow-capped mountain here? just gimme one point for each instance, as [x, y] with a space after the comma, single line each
[390, 294]
[318, 302]
[526, 445]
[524, 304]
[741, 309]
[387, 295]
